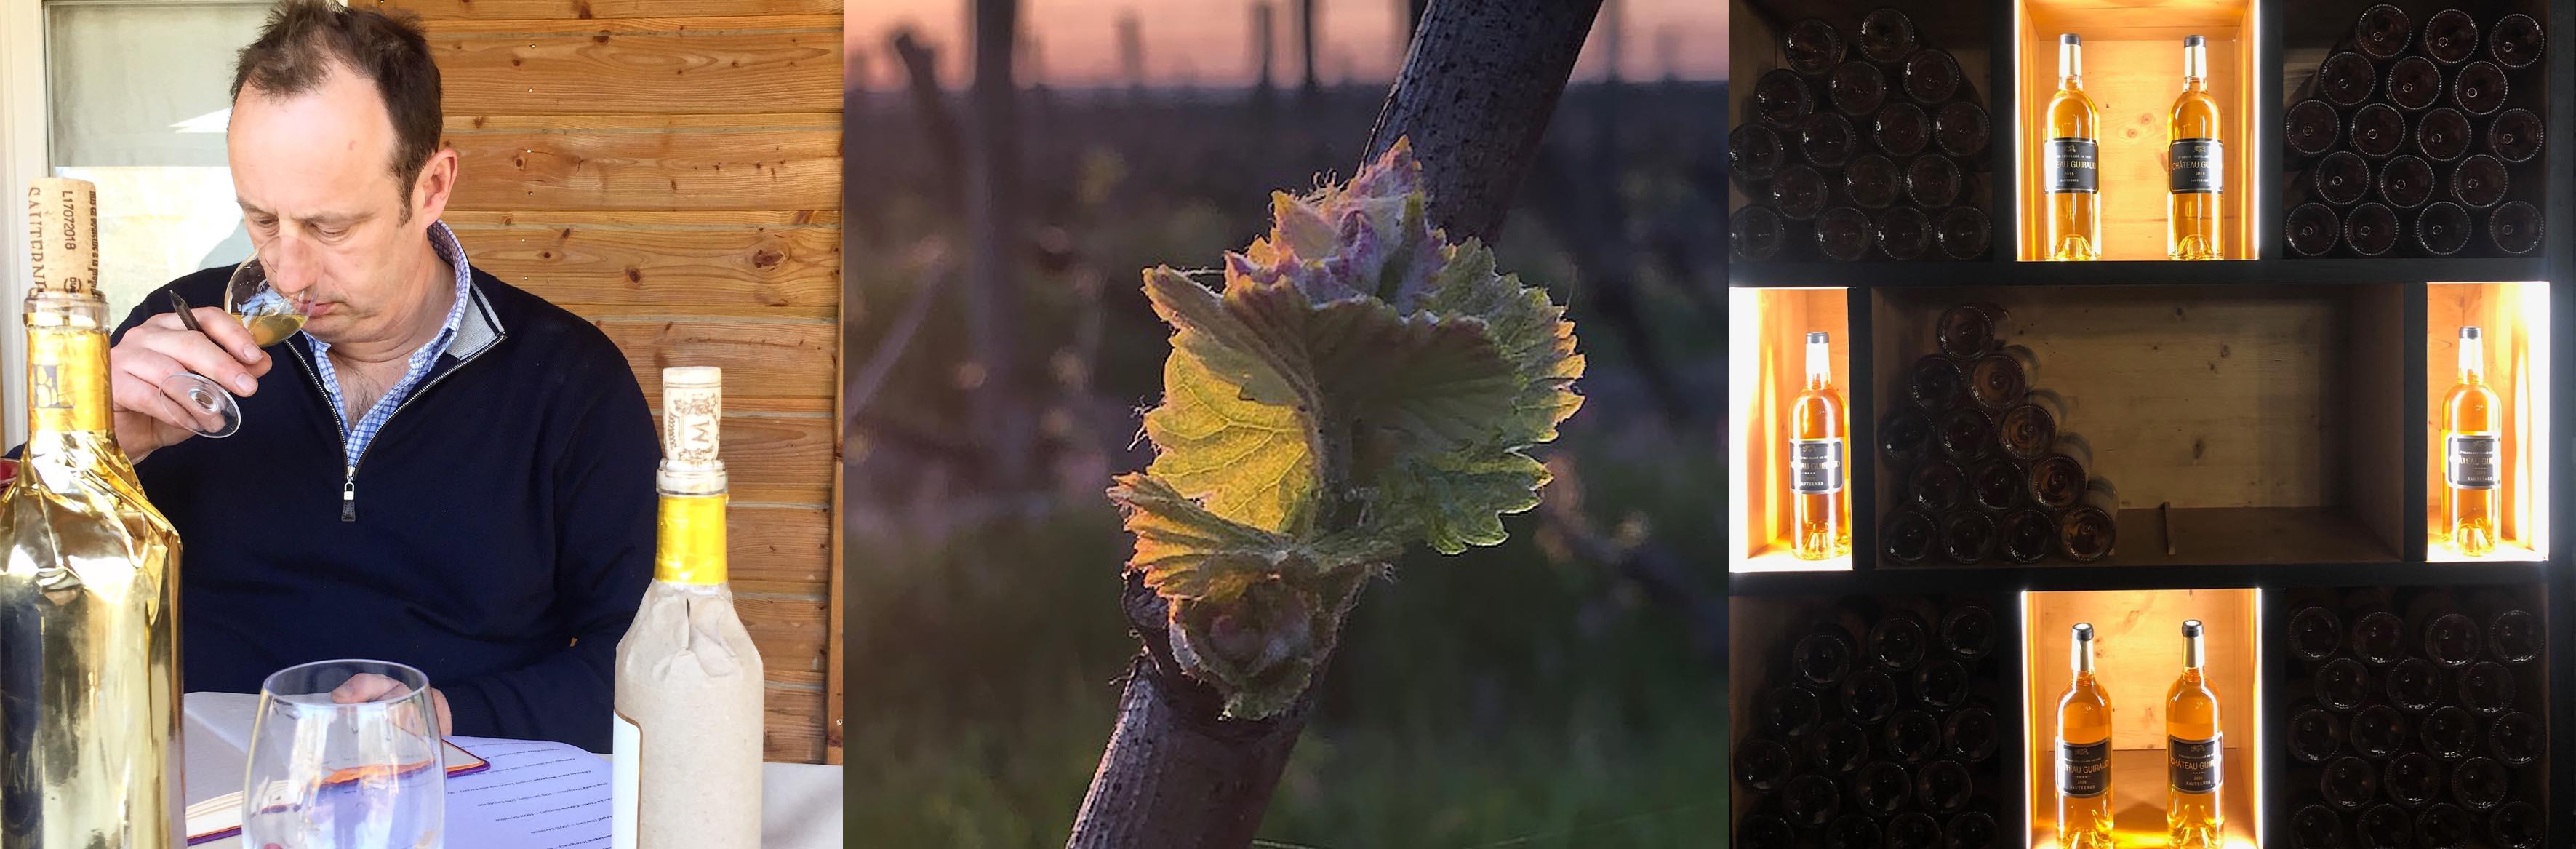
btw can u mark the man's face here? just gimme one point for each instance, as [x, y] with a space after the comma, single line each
[314, 174]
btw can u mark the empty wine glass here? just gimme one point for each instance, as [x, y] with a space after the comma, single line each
[269, 315]
[361, 775]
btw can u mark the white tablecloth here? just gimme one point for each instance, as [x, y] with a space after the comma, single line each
[800, 803]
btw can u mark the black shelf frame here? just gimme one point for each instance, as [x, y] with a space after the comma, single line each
[2555, 264]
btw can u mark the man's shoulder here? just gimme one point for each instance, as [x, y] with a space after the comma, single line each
[544, 329]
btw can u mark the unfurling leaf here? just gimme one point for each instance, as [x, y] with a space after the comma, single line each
[1356, 382]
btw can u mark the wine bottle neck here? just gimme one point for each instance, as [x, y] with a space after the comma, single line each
[67, 382]
[2191, 654]
[2195, 66]
[691, 546]
[1820, 362]
[2084, 658]
[2473, 360]
[2070, 64]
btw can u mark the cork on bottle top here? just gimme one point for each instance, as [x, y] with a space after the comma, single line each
[62, 237]
[692, 411]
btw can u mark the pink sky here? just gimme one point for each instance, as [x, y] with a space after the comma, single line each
[1208, 42]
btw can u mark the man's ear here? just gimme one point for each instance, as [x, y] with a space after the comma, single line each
[437, 180]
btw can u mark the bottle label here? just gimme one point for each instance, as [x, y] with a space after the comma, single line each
[2473, 461]
[1815, 466]
[2072, 166]
[2197, 167]
[2083, 771]
[2193, 764]
[625, 779]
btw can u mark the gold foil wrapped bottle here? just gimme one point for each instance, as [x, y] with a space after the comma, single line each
[89, 614]
[686, 765]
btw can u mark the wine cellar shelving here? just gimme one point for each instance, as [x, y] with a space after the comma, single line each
[2283, 431]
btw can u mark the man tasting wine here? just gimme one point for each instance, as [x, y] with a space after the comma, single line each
[440, 469]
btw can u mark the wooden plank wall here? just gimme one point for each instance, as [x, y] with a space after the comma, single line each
[671, 170]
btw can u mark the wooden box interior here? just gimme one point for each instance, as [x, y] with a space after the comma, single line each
[2138, 652]
[1753, 47]
[2267, 418]
[2133, 72]
[2513, 319]
[1769, 353]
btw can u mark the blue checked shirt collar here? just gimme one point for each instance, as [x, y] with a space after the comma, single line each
[356, 435]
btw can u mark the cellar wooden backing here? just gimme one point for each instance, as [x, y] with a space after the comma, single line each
[2133, 72]
[2287, 409]
[671, 171]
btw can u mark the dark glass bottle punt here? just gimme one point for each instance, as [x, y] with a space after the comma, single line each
[1908, 536]
[2480, 89]
[1800, 193]
[2414, 83]
[2089, 531]
[1904, 436]
[2346, 79]
[2514, 228]
[2342, 179]
[1963, 232]
[2341, 684]
[2385, 826]
[1966, 331]
[2516, 41]
[2348, 783]
[2515, 136]
[1754, 153]
[1843, 234]
[2449, 732]
[1937, 487]
[1762, 765]
[1781, 99]
[2480, 784]
[2001, 378]
[2517, 825]
[1962, 128]
[2314, 827]
[2027, 535]
[2514, 637]
[1933, 181]
[2444, 826]
[2378, 130]
[2450, 37]
[1886, 36]
[1837, 748]
[2486, 687]
[1913, 830]
[1968, 632]
[2312, 229]
[2379, 638]
[1935, 383]
[1882, 789]
[1810, 801]
[2315, 736]
[1967, 538]
[1972, 830]
[1897, 642]
[2312, 127]
[1762, 831]
[1792, 711]
[2026, 431]
[1901, 129]
[1873, 181]
[1853, 831]
[1965, 434]
[2315, 632]
[2452, 640]
[2381, 32]
[2371, 229]
[2378, 732]
[1857, 89]
[1971, 735]
[2412, 780]
[1824, 656]
[2415, 685]
[1912, 736]
[1931, 76]
[2442, 135]
[1941, 685]
[2057, 481]
[1869, 696]
[2443, 228]
[2406, 182]
[2516, 739]
[1812, 47]
[1901, 233]
[1756, 234]
[1826, 140]
[2479, 182]
[1996, 485]
[1943, 787]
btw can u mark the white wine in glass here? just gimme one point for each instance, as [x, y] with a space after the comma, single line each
[270, 315]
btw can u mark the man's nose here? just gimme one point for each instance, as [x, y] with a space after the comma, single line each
[290, 265]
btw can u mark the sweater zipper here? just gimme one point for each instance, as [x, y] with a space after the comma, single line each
[349, 479]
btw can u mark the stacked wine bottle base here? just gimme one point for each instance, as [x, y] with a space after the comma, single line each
[1880, 726]
[1870, 149]
[2416, 718]
[1984, 468]
[2420, 140]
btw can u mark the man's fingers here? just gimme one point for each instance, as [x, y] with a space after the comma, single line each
[228, 333]
[198, 352]
[136, 387]
[368, 687]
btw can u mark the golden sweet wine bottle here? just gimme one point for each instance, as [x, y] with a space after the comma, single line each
[89, 614]
[685, 770]
[1816, 493]
[2469, 441]
[2197, 168]
[2070, 169]
[2192, 818]
[2084, 755]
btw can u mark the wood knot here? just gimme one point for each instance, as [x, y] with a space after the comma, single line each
[634, 276]
[766, 258]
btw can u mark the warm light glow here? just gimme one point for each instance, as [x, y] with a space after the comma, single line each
[1765, 336]
[2137, 654]
[2516, 316]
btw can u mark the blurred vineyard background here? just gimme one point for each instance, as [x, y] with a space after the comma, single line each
[1564, 689]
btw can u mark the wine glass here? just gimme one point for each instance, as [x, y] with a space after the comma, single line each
[327, 775]
[270, 316]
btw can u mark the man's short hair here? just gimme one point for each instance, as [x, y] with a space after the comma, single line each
[305, 39]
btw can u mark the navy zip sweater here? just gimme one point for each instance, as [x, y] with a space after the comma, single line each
[498, 536]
